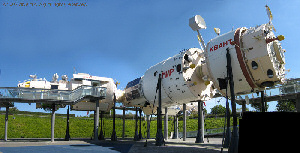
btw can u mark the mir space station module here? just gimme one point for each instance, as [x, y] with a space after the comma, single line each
[257, 62]
[79, 79]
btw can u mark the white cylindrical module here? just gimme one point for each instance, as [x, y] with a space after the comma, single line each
[183, 80]
[257, 59]
[257, 62]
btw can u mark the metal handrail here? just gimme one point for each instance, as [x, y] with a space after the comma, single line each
[52, 94]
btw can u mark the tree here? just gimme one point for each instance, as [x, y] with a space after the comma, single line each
[218, 109]
[257, 106]
[14, 110]
[48, 107]
[286, 105]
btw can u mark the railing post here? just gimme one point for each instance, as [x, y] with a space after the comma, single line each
[67, 136]
[96, 116]
[6, 123]
[184, 123]
[52, 122]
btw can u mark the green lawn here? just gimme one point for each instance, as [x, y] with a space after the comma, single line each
[24, 126]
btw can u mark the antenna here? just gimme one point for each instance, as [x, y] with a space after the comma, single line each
[197, 23]
[217, 31]
[74, 72]
[270, 16]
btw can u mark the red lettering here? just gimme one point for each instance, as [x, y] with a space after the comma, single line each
[215, 47]
[230, 40]
[225, 43]
[171, 71]
[167, 73]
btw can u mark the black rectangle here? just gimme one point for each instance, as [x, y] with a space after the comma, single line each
[269, 132]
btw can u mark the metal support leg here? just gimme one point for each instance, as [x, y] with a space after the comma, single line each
[67, 136]
[233, 148]
[101, 136]
[175, 135]
[136, 135]
[123, 133]
[148, 126]
[228, 129]
[262, 98]
[52, 122]
[140, 130]
[244, 106]
[200, 135]
[298, 103]
[114, 135]
[184, 122]
[6, 123]
[166, 123]
[96, 125]
[159, 134]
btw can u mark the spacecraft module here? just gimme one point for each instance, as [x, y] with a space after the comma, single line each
[183, 80]
[78, 80]
[257, 60]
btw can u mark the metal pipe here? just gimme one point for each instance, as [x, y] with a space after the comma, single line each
[123, 133]
[136, 135]
[67, 136]
[52, 122]
[233, 148]
[166, 123]
[200, 135]
[6, 123]
[262, 95]
[114, 135]
[184, 122]
[96, 125]
[159, 135]
[201, 40]
[140, 130]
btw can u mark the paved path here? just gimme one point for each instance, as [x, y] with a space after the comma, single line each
[121, 146]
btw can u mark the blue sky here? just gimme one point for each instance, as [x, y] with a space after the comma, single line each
[121, 39]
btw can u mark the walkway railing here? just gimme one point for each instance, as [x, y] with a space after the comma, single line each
[17, 94]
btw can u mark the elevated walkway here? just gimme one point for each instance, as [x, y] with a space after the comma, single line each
[8, 95]
[34, 95]
[288, 91]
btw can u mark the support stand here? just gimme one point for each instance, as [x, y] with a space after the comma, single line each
[123, 133]
[200, 134]
[114, 135]
[67, 136]
[175, 134]
[262, 96]
[6, 123]
[166, 123]
[136, 135]
[159, 135]
[184, 122]
[52, 122]
[96, 123]
[140, 130]
[101, 136]
[233, 148]
[228, 130]
[148, 126]
[298, 103]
